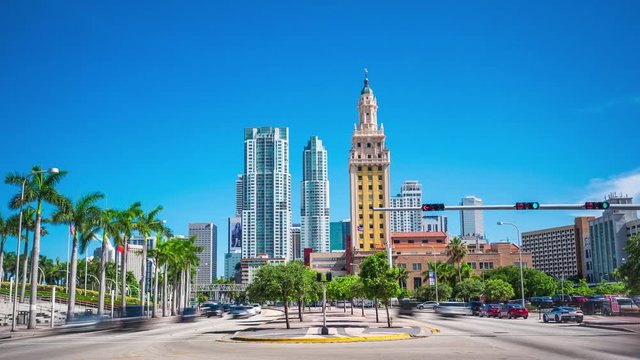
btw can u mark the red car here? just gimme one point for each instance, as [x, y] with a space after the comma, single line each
[493, 311]
[577, 301]
[511, 311]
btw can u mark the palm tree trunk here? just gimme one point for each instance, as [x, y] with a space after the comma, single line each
[155, 289]
[73, 268]
[352, 302]
[102, 276]
[174, 295]
[123, 268]
[143, 281]
[35, 253]
[362, 304]
[300, 307]
[164, 291]
[25, 259]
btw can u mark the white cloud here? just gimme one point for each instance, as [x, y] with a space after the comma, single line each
[625, 184]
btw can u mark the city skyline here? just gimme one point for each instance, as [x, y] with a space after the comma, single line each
[504, 95]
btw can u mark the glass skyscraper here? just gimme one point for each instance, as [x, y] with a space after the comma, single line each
[314, 231]
[266, 210]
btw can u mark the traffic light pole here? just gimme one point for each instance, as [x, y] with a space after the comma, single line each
[512, 207]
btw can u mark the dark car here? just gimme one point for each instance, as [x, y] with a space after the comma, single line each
[513, 311]
[542, 301]
[476, 307]
[561, 299]
[210, 310]
[189, 314]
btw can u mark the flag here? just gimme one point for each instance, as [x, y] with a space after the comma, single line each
[119, 249]
[360, 228]
[72, 230]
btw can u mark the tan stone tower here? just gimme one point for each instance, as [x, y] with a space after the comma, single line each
[369, 161]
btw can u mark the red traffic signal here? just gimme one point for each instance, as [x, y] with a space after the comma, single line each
[527, 206]
[432, 207]
[592, 205]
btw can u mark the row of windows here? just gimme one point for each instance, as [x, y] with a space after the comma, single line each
[369, 144]
[371, 168]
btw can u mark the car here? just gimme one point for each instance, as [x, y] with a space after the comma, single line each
[627, 305]
[513, 311]
[475, 306]
[490, 310]
[563, 314]
[519, 301]
[189, 314]
[452, 308]
[427, 305]
[343, 304]
[241, 311]
[577, 301]
[561, 299]
[210, 310]
[257, 308]
[542, 301]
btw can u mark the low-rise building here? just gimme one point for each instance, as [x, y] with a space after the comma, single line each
[249, 266]
[334, 262]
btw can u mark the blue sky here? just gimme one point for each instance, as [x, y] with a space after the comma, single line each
[147, 101]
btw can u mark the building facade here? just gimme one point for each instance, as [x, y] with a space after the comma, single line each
[239, 195]
[559, 251]
[206, 235]
[315, 197]
[436, 223]
[334, 262]
[134, 257]
[608, 238]
[339, 232]
[298, 249]
[410, 196]
[369, 161]
[471, 221]
[266, 210]
[231, 263]
[249, 266]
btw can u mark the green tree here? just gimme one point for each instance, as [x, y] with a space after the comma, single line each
[81, 217]
[629, 271]
[380, 280]
[564, 287]
[41, 188]
[498, 290]
[582, 289]
[536, 282]
[146, 224]
[605, 288]
[469, 289]
[457, 250]
[108, 222]
[126, 225]
[428, 293]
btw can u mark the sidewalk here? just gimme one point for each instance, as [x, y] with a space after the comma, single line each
[622, 323]
[343, 327]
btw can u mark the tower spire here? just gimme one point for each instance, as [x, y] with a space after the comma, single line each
[366, 89]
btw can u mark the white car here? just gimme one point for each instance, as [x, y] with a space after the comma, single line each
[427, 305]
[257, 308]
[452, 308]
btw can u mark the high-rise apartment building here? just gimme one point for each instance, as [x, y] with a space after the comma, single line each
[410, 197]
[296, 242]
[369, 161]
[266, 210]
[239, 195]
[471, 222]
[134, 258]
[608, 238]
[315, 198]
[558, 251]
[232, 265]
[206, 235]
[339, 232]
[434, 223]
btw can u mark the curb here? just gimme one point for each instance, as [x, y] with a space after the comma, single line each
[325, 340]
[433, 330]
[608, 327]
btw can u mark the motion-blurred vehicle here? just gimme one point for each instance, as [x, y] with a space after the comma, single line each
[210, 310]
[476, 307]
[427, 305]
[561, 299]
[627, 305]
[83, 323]
[257, 308]
[577, 301]
[513, 311]
[489, 310]
[189, 314]
[407, 307]
[241, 311]
[563, 314]
[452, 308]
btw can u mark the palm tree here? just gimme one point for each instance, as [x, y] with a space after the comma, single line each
[41, 188]
[6, 229]
[126, 224]
[81, 218]
[457, 250]
[28, 223]
[108, 222]
[162, 233]
[146, 224]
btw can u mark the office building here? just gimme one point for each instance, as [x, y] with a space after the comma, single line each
[369, 161]
[340, 230]
[249, 266]
[206, 235]
[435, 223]
[111, 252]
[471, 222]
[334, 262]
[266, 210]
[239, 195]
[559, 251]
[608, 238]
[298, 249]
[134, 257]
[315, 197]
[232, 264]
[410, 197]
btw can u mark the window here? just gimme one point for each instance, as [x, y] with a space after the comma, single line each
[361, 245]
[381, 226]
[359, 187]
[360, 177]
[370, 246]
[396, 241]
[359, 169]
[368, 144]
[417, 266]
[360, 216]
[379, 187]
[370, 187]
[360, 206]
[370, 216]
[369, 168]
[417, 282]
[379, 177]
[381, 236]
[380, 196]
[370, 236]
[425, 241]
[381, 216]
[403, 266]
[359, 145]
[410, 241]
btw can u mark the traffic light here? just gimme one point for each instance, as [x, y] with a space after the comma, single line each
[591, 205]
[432, 207]
[328, 277]
[527, 206]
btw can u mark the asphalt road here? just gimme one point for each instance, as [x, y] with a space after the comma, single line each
[463, 338]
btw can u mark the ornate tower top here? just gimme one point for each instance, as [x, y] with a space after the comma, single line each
[366, 89]
[367, 108]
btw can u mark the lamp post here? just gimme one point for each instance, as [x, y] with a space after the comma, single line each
[519, 255]
[24, 183]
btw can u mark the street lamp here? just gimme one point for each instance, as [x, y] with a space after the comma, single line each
[519, 254]
[24, 183]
